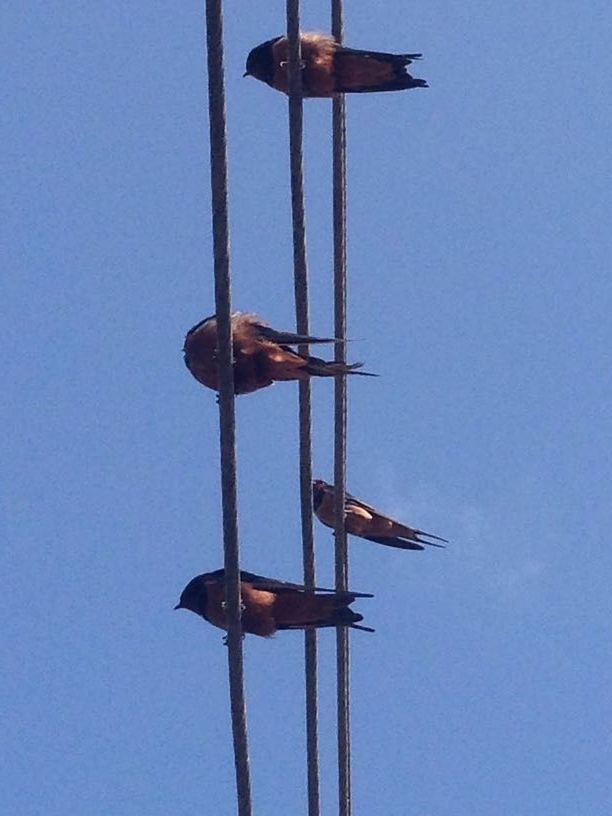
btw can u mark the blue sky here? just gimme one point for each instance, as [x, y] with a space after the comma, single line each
[479, 253]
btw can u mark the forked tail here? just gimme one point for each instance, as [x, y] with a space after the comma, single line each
[321, 368]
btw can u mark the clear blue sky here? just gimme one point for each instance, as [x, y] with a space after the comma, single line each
[480, 290]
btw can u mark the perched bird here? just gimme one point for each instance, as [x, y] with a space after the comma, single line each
[367, 522]
[329, 68]
[269, 605]
[261, 355]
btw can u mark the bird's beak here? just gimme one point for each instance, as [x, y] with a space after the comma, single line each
[178, 606]
[246, 73]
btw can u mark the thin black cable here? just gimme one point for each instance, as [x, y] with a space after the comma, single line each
[227, 422]
[340, 422]
[300, 272]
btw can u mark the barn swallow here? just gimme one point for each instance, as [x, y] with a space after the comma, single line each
[269, 606]
[367, 522]
[329, 68]
[261, 355]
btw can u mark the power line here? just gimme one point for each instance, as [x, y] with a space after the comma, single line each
[300, 272]
[227, 421]
[340, 422]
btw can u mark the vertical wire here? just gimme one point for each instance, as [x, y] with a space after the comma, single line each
[340, 422]
[300, 271]
[227, 424]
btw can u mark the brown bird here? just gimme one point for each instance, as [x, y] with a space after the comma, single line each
[261, 355]
[329, 68]
[269, 605]
[367, 522]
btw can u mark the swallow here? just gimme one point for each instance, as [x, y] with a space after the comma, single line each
[329, 68]
[261, 355]
[269, 606]
[367, 522]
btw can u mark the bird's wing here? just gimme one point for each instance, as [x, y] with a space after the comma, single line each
[274, 585]
[415, 532]
[397, 542]
[258, 581]
[289, 338]
[354, 500]
[406, 59]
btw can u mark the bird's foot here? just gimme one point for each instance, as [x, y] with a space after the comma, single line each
[224, 606]
[225, 640]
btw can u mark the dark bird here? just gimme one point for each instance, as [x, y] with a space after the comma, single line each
[261, 355]
[329, 68]
[269, 605]
[367, 522]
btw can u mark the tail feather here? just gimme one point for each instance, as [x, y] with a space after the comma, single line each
[431, 535]
[349, 596]
[421, 536]
[346, 617]
[381, 56]
[398, 543]
[407, 543]
[335, 611]
[329, 624]
[292, 339]
[401, 83]
[361, 628]
[433, 543]
[322, 368]
[372, 71]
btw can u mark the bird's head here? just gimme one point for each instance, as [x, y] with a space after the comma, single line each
[195, 596]
[318, 491]
[260, 62]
